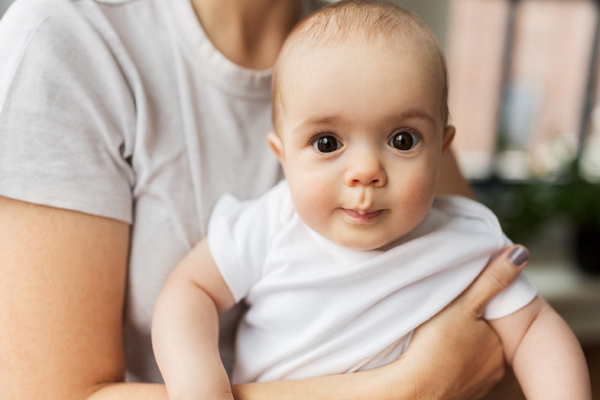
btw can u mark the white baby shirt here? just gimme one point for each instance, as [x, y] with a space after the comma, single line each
[318, 308]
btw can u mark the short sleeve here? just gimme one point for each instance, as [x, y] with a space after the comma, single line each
[519, 294]
[66, 112]
[239, 236]
[479, 227]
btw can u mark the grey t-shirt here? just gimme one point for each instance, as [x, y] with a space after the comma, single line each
[124, 109]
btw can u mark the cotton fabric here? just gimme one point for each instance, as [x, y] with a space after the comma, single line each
[318, 308]
[124, 109]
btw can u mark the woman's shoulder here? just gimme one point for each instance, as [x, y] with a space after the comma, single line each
[25, 18]
[78, 36]
[36, 9]
[52, 23]
[64, 98]
[30, 15]
[67, 19]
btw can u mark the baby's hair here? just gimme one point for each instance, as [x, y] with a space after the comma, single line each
[361, 20]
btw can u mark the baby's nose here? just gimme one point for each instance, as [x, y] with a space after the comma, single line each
[366, 170]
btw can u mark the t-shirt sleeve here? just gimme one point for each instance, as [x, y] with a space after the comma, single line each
[519, 294]
[240, 234]
[65, 110]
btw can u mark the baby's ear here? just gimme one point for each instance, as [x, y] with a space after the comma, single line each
[449, 133]
[277, 146]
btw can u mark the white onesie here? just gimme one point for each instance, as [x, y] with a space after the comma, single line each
[318, 308]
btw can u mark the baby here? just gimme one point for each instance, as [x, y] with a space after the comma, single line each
[341, 262]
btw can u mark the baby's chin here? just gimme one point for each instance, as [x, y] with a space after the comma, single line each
[368, 238]
[366, 243]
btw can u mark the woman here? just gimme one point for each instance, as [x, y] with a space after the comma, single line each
[121, 123]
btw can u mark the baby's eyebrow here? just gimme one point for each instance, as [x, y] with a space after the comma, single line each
[415, 113]
[418, 114]
[325, 120]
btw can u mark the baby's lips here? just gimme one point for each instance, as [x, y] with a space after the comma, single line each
[362, 215]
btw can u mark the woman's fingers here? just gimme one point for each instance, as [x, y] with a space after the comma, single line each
[462, 354]
[457, 346]
[502, 269]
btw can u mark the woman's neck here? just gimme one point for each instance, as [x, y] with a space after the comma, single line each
[248, 32]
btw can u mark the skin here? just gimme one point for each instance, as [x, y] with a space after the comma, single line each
[361, 141]
[248, 33]
[544, 353]
[353, 182]
[37, 312]
[60, 321]
[363, 192]
[63, 283]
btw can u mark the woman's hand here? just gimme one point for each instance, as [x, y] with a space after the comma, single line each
[455, 355]
[63, 278]
[459, 354]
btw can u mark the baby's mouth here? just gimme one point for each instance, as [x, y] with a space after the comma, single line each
[362, 216]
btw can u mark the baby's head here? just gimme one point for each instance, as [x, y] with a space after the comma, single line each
[354, 22]
[360, 112]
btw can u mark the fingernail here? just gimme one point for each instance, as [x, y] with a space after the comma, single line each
[518, 256]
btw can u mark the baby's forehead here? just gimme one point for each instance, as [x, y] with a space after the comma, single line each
[307, 57]
[400, 31]
[346, 24]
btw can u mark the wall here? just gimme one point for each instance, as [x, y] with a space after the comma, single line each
[433, 12]
[4, 5]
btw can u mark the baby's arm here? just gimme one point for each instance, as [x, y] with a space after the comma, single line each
[185, 329]
[544, 353]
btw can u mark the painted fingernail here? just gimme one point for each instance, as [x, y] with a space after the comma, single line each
[518, 256]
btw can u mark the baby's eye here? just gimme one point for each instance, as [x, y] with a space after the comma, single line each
[404, 141]
[326, 144]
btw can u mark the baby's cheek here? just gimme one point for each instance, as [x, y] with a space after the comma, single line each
[313, 202]
[417, 195]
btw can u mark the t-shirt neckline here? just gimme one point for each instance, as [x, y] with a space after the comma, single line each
[216, 67]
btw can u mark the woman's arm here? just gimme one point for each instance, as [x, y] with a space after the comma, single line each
[451, 180]
[61, 300]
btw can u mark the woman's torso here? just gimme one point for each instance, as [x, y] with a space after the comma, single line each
[180, 125]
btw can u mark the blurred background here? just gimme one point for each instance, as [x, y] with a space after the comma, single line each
[525, 98]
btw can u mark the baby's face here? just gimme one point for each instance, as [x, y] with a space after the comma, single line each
[360, 139]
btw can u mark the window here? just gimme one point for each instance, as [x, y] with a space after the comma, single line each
[522, 85]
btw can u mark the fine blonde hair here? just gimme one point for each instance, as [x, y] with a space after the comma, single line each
[362, 20]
